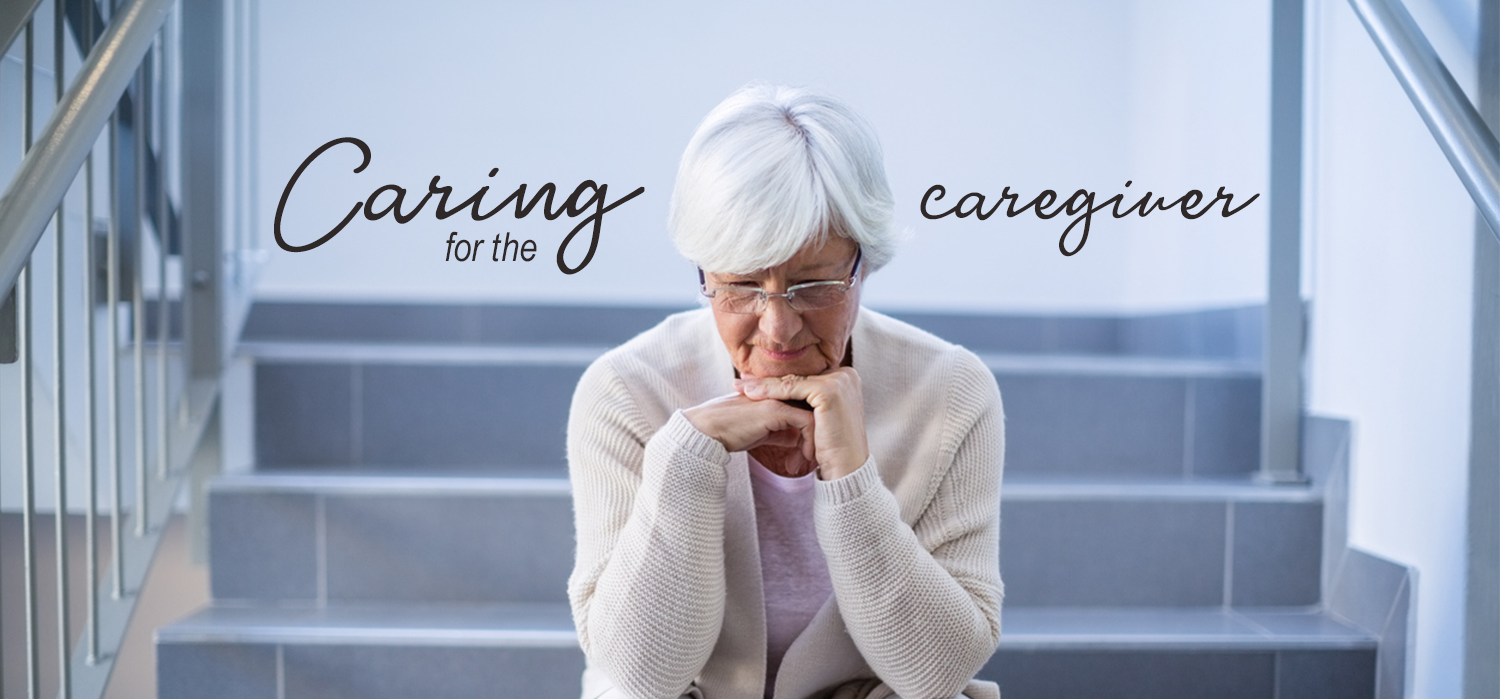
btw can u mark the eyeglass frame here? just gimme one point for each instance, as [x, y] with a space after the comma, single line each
[791, 291]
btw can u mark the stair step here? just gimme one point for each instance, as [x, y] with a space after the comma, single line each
[393, 353]
[1180, 653]
[1129, 416]
[1204, 628]
[508, 625]
[531, 650]
[385, 538]
[1029, 487]
[354, 539]
[1221, 332]
[1114, 365]
[491, 408]
[371, 653]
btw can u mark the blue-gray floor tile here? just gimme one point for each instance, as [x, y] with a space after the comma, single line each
[454, 415]
[1164, 335]
[263, 546]
[1301, 623]
[1226, 426]
[1071, 425]
[1132, 675]
[1278, 554]
[448, 549]
[354, 322]
[584, 325]
[1110, 553]
[449, 323]
[1329, 674]
[1218, 333]
[215, 671]
[303, 414]
[1031, 627]
[382, 672]
[1021, 334]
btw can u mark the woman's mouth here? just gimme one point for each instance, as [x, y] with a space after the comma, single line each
[783, 356]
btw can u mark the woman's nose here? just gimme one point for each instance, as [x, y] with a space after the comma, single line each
[779, 322]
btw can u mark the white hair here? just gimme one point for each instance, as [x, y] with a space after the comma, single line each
[774, 168]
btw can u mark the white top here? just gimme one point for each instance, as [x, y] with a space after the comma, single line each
[666, 589]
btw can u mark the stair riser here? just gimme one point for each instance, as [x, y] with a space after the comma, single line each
[1201, 674]
[1164, 554]
[409, 416]
[266, 546]
[223, 670]
[1148, 426]
[390, 548]
[494, 417]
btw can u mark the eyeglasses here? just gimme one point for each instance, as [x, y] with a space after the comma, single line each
[811, 296]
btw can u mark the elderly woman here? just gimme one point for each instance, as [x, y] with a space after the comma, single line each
[785, 494]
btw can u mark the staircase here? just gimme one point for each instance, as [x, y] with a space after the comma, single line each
[408, 528]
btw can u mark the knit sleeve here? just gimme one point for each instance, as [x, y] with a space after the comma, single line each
[922, 602]
[647, 588]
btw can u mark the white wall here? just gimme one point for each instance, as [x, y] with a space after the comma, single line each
[975, 96]
[1391, 242]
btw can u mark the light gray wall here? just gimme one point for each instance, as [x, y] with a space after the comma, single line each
[975, 96]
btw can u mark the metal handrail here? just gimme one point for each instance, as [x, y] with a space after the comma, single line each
[1460, 131]
[139, 45]
[51, 165]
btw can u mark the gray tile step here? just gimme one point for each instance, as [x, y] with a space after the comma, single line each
[530, 650]
[1061, 653]
[490, 408]
[370, 653]
[1219, 332]
[342, 538]
[355, 539]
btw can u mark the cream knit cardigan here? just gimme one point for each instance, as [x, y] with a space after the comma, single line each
[666, 589]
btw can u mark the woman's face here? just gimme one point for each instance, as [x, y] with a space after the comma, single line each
[779, 340]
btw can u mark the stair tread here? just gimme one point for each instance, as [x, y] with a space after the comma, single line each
[583, 354]
[1110, 364]
[1032, 486]
[490, 624]
[551, 625]
[422, 353]
[1018, 487]
[344, 483]
[1075, 627]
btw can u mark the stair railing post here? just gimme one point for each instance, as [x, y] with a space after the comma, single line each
[202, 182]
[1281, 383]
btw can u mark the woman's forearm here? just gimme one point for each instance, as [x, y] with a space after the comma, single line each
[922, 602]
[649, 600]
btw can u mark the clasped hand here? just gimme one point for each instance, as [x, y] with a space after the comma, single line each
[788, 440]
